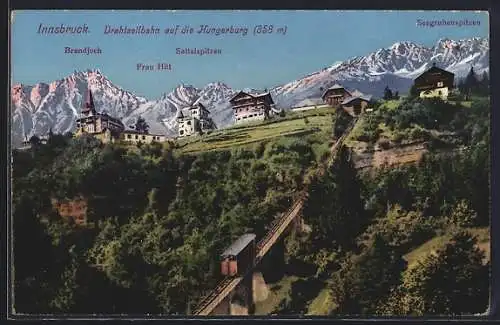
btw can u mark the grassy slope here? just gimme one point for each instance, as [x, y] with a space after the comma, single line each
[322, 304]
[419, 253]
[293, 124]
[277, 292]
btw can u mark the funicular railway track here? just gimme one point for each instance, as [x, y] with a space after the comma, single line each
[278, 227]
[275, 232]
[263, 246]
[217, 295]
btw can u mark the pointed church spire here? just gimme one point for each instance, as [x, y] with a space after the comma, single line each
[88, 104]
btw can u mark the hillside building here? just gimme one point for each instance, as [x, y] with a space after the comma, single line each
[356, 105]
[100, 125]
[335, 95]
[133, 136]
[252, 107]
[194, 120]
[26, 144]
[107, 128]
[434, 82]
[308, 104]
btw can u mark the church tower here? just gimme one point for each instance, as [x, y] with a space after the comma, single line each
[100, 125]
[88, 107]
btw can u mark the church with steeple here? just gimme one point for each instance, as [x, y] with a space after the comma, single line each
[101, 125]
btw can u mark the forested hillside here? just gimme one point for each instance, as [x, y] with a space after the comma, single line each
[401, 240]
[157, 219]
[157, 222]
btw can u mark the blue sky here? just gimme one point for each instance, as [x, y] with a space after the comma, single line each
[313, 40]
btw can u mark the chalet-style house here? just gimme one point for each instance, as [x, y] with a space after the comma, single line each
[101, 125]
[356, 105]
[434, 82]
[195, 120]
[252, 107]
[308, 104]
[335, 95]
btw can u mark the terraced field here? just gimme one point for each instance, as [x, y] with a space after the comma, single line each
[296, 124]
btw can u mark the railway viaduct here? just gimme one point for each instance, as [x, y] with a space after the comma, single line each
[236, 295]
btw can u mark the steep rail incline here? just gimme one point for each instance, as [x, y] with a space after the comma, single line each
[228, 284]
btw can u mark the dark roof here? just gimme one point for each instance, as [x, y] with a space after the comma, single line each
[200, 105]
[252, 95]
[106, 116]
[238, 245]
[117, 120]
[435, 69]
[109, 117]
[350, 99]
[336, 86]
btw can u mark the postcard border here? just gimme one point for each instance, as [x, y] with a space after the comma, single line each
[491, 6]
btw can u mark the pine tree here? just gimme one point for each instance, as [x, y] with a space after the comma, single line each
[387, 93]
[35, 141]
[413, 91]
[141, 125]
[485, 84]
[461, 86]
[366, 280]
[334, 207]
[471, 83]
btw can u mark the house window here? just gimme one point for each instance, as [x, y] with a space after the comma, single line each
[439, 93]
[143, 137]
[181, 132]
[129, 136]
[440, 84]
[188, 122]
[136, 137]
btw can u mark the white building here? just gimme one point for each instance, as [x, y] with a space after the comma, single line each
[194, 119]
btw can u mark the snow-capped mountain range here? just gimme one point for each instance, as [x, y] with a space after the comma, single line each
[38, 108]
